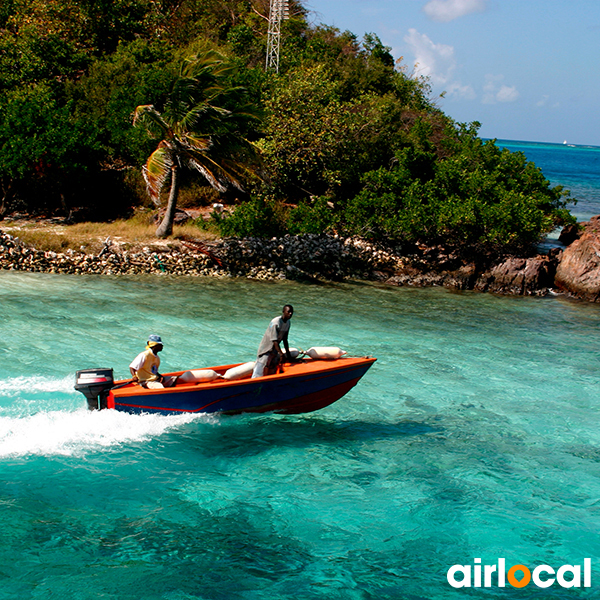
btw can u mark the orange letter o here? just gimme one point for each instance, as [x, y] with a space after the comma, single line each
[514, 581]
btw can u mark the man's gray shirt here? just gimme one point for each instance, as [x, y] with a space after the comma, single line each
[276, 332]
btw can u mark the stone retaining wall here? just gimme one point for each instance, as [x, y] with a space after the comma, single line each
[290, 257]
[17, 257]
[308, 257]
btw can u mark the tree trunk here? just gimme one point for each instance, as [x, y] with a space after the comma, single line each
[5, 201]
[165, 229]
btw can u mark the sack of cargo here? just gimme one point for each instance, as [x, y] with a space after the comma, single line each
[325, 352]
[240, 372]
[198, 376]
[294, 352]
[153, 385]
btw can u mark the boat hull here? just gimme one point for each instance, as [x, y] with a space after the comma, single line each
[302, 387]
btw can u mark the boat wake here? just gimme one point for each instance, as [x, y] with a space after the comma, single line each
[36, 384]
[42, 416]
[63, 433]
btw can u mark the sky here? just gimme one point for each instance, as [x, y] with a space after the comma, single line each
[525, 69]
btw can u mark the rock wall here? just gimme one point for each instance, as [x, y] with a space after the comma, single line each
[575, 271]
[306, 256]
[15, 256]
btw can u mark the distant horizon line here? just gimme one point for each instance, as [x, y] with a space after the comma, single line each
[564, 144]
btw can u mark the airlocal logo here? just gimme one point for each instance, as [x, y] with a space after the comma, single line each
[473, 576]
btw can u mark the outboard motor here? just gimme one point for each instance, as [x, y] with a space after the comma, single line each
[94, 384]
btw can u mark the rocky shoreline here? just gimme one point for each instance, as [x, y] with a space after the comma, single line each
[574, 270]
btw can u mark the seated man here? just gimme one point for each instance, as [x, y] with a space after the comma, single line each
[144, 367]
[269, 353]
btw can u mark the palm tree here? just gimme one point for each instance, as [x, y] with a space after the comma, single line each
[201, 128]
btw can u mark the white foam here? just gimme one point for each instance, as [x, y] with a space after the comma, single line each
[76, 433]
[36, 384]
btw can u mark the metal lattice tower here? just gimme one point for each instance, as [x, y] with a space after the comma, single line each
[278, 11]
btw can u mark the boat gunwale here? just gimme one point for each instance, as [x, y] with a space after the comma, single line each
[329, 365]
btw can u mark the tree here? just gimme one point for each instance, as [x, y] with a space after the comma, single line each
[42, 147]
[318, 143]
[477, 196]
[203, 127]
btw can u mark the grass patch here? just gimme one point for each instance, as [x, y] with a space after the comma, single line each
[130, 234]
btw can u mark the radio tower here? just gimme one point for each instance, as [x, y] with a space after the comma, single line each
[278, 11]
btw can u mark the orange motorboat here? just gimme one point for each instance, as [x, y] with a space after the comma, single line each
[299, 387]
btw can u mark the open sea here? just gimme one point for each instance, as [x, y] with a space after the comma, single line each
[475, 436]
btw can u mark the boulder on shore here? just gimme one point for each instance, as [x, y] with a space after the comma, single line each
[569, 234]
[520, 276]
[578, 271]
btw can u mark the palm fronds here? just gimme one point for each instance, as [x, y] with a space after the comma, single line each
[201, 129]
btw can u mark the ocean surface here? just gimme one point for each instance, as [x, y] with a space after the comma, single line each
[475, 435]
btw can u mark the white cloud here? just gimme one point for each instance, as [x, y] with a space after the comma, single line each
[448, 10]
[464, 92]
[435, 61]
[543, 101]
[495, 91]
[507, 94]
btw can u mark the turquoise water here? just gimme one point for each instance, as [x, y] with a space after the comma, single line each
[576, 168]
[475, 434]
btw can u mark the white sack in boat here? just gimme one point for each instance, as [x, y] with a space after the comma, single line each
[198, 376]
[240, 372]
[154, 385]
[327, 352]
[294, 352]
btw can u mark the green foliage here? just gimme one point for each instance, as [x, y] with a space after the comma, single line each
[114, 85]
[316, 143]
[110, 22]
[481, 195]
[6, 11]
[317, 217]
[241, 38]
[43, 146]
[41, 41]
[259, 217]
[377, 51]
[307, 135]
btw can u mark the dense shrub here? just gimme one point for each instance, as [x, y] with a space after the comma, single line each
[315, 217]
[46, 152]
[259, 217]
[482, 195]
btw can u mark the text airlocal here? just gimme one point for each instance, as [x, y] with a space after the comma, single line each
[543, 576]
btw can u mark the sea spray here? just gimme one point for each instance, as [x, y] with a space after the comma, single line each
[82, 432]
[35, 384]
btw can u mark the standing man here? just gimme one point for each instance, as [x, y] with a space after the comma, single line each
[269, 353]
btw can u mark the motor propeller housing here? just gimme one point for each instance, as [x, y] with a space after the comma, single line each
[94, 384]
